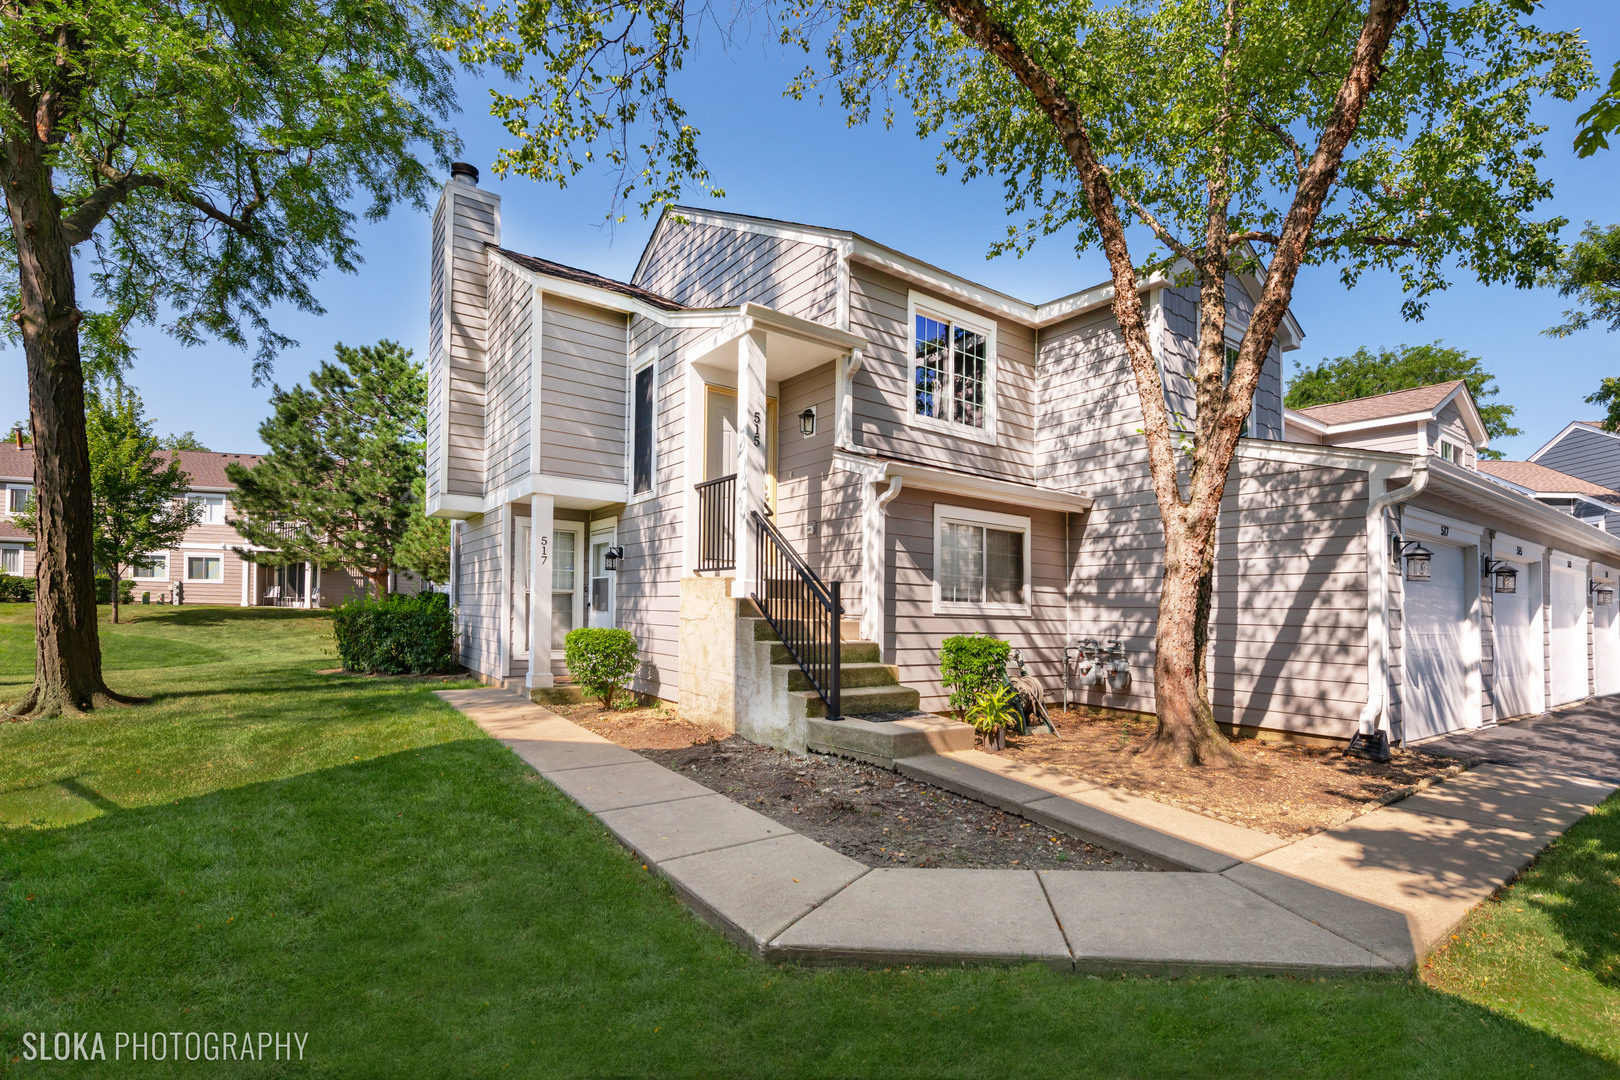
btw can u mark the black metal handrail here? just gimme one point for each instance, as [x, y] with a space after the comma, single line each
[804, 611]
[717, 511]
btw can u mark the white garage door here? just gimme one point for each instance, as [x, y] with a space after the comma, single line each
[1520, 684]
[1606, 647]
[1567, 594]
[1434, 684]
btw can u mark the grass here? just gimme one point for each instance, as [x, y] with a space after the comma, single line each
[264, 848]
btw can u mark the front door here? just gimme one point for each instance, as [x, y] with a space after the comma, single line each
[720, 439]
[521, 553]
[566, 598]
[601, 583]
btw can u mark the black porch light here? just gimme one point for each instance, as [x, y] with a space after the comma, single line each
[1506, 577]
[807, 422]
[611, 557]
[1417, 558]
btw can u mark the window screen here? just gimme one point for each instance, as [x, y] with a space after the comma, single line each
[641, 456]
[978, 564]
[204, 568]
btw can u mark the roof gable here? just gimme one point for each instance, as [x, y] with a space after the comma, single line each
[1418, 402]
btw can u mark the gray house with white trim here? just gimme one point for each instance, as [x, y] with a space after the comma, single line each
[767, 410]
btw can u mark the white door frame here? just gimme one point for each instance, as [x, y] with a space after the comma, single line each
[580, 531]
[608, 527]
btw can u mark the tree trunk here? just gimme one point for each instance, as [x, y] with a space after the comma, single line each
[1186, 733]
[379, 582]
[114, 596]
[67, 669]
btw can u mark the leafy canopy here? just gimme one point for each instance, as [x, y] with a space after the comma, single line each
[1589, 270]
[1365, 373]
[339, 484]
[137, 489]
[425, 548]
[205, 154]
[1601, 120]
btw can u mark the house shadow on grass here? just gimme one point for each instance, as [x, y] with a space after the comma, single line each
[443, 911]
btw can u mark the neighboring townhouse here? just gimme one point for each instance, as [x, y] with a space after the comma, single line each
[1592, 503]
[207, 567]
[767, 410]
[1584, 450]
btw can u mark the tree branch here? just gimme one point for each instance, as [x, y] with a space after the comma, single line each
[81, 224]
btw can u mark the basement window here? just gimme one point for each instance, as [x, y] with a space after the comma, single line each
[981, 562]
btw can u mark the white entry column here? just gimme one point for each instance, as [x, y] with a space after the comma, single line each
[542, 522]
[751, 437]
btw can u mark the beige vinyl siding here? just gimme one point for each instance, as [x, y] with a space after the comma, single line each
[510, 360]
[915, 631]
[884, 395]
[651, 531]
[1448, 425]
[1289, 615]
[1403, 440]
[809, 490]
[701, 265]
[472, 224]
[582, 391]
[479, 607]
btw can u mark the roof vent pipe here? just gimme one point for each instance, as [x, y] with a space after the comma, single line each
[462, 169]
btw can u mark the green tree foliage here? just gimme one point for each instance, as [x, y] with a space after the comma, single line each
[970, 664]
[1365, 373]
[192, 162]
[1589, 270]
[1601, 120]
[186, 440]
[340, 483]
[1255, 137]
[138, 490]
[425, 548]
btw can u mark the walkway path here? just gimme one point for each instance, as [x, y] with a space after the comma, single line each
[1583, 741]
[1371, 895]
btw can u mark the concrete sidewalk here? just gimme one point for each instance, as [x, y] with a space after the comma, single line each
[1372, 895]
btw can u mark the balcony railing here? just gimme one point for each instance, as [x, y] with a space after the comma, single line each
[717, 515]
[803, 610]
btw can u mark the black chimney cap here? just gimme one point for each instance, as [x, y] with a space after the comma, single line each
[461, 168]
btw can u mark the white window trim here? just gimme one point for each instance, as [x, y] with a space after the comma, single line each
[962, 515]
[164, 555]
[224, 504]
[5, 497]
[922, 304]
[648, 356]
[18, 548]
[188, 556]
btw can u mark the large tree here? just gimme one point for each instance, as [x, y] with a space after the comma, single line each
[341, 483]
[1364, 373]
[138, 502]
[425, 548]
[1200, 138]
[195, 161]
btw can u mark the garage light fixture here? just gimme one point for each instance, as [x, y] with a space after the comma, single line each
[1417, 558]
[1602, 592]
[1507, 578]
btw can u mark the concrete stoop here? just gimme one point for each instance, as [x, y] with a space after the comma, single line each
[886, 742]
[1373, 895]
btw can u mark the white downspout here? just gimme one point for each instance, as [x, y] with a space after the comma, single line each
[874, 562]
[1378, 603]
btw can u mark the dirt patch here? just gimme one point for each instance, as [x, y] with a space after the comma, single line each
[1291, 790]
[873, 815]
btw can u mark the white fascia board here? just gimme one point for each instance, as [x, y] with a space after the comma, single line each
[1471, 418]
[926, 478]
[454, 506]
[1294, 417]
[1309, 454]
[765, 318]
[1349, 426]
[1573, 425]
[599, 492]
[1443, 476]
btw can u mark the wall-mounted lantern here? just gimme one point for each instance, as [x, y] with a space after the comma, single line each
[1602, 592]
[1417, 558]
[1506, 577]
[611, 557]
[807, 422]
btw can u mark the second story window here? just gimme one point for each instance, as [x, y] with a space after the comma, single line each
[213, 512]
[951, 372]
[641, 431]
[16, 498]
[1448, 452]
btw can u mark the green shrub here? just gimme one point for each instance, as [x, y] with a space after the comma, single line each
[16, 589]
[126, 589]
[601, 660]
[970, 664]
[993, 711]
[398, 635]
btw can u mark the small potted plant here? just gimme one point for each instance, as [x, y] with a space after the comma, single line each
[993, 711]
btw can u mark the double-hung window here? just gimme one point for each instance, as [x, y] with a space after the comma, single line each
[150, 568]
[981, 562]
[952, 369]
[213, 512]
[11, 560]
[16, 499]
[205, 568]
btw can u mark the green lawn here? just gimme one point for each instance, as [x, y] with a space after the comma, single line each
[264, 848]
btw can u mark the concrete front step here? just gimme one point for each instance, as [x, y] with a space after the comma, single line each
[561, 694]
[853, 652]
[860, 700]
[852, 675]
[885, 742]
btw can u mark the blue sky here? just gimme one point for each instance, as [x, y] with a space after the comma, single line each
[798, 161]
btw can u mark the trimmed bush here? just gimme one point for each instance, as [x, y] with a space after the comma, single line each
[970, 664]
[398, 635]
[126, 590]
[16, 589]
[601, 660]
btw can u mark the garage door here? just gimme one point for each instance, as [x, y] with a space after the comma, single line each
[1567, 596]
[1606, 647]
[1520, 682]
[1434, 683]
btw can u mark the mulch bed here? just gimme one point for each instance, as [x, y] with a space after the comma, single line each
[1291, 791]
[870, 814]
